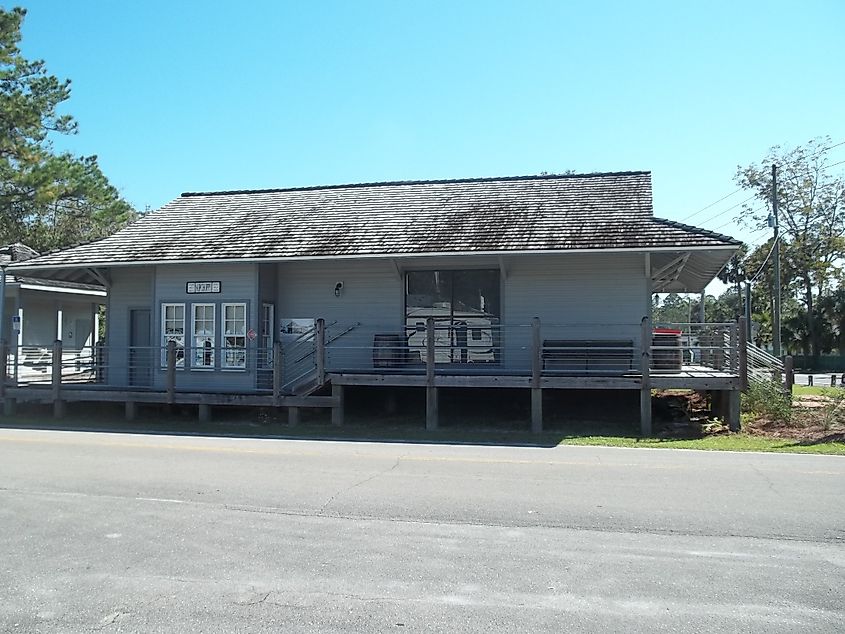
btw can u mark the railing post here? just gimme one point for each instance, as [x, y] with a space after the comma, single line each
[536, 370]
[431, 409]
[4, 354]
[321, 351]
[645, 385]
[56, 379]
[278, 372]
[743, 354]
[733, 349]
[789, 372]
[171, 372]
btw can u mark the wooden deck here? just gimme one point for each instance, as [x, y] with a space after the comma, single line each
[431, 376]
[689, 377]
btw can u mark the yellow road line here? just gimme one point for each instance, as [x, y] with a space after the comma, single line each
[278, 451]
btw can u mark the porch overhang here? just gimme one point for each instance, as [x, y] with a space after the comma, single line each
[687, 271]
[698, 268]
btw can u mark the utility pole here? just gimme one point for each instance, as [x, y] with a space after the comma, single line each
[3, 303]
[748, 310]
[776, 255]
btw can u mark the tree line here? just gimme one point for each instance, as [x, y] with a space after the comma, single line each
[811, 217]
[48, 199]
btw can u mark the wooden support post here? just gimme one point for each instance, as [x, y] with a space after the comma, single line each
[171, 372]
[293, 416]
[645, 385]
[58, 405]
[204, 412]
[321, 351]
[8, 402]
[743, 353]
[789, 372]
[278, 372]
[4, 354]
[431, 405]
[536, 370]
[732, 398]
[431, 409]
[131, 410]
[337, 408]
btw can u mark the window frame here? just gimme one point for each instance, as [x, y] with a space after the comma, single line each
[195, 349]
[165, 337]
[225, 349]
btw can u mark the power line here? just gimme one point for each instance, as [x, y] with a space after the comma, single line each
[763, 265]
[712, 204]
[722, 213]
[733, 193]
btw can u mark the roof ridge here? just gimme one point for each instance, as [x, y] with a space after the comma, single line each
[443, 181]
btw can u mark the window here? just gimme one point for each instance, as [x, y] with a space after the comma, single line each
[267, 319]
[234, 335]
[203, 336]
[465, 306]
[173, 329]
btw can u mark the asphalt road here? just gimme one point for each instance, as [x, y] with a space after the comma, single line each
[130, 533]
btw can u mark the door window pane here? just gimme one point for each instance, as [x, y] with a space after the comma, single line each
[173, 329]
[234, 335]
[203, 336]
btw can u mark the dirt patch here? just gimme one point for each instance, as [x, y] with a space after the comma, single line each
[815, 419]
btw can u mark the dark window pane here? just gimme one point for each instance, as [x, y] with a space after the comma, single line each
[429, 294]
[476, 293]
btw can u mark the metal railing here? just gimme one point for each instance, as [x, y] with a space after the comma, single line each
[479, 347]
[299, 364]
[763, 366]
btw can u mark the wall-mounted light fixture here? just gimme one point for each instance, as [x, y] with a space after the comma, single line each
[338, 288]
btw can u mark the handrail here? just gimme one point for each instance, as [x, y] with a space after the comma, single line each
[341, 334]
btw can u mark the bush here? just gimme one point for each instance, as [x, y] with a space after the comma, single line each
[767, 398]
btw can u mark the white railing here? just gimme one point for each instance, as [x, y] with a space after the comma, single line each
[763, 366]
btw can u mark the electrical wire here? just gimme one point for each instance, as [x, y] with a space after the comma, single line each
[763, 265]
[733, 193]
[722, 213]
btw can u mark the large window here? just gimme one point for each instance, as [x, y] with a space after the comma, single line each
[465, 306]
[203, 336]
[234, 335]
[173, 329]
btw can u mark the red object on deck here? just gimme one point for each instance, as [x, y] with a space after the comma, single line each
[666, 331]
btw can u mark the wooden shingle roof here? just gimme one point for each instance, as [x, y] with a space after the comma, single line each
[488, 215]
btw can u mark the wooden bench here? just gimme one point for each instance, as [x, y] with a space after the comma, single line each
[589, 356]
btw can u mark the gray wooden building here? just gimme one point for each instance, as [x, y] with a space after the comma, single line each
[37, 311]
[277, 296]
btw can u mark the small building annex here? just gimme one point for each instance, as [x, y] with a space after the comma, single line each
[542, 282]
[38, 311]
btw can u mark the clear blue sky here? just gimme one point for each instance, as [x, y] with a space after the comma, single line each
[186, 96]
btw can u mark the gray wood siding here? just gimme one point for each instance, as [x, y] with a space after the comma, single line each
[267, 283]
[131, 288]
[239, 284]
[577, 296]
[373, 294]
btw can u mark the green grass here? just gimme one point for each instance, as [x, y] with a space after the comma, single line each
[816, 390]
[404, 429]
[727, 442]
